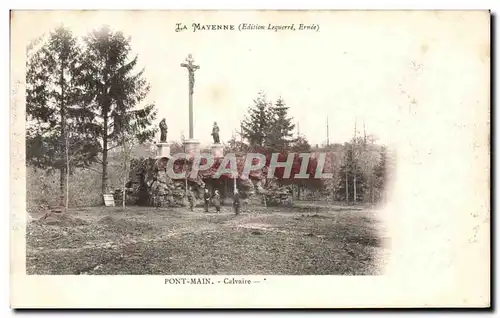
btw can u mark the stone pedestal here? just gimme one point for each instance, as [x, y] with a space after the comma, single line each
[192, 147]
[217, 151]
[163, 150]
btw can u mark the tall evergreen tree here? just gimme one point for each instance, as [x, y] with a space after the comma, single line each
[281, 126]
[55, 117]
[114, 91]
[256, 124]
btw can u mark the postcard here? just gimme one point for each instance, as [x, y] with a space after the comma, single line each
[250, 159]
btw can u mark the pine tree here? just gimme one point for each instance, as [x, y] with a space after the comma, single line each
[268, 125]
[281, 126]
[57, 136]
[256, 124]
[114, 92]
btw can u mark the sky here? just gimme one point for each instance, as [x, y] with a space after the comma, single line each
[356, 68]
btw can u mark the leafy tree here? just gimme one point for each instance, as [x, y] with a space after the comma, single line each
[56, 138]
[234, 146]
[368, 158]
[176, 147]
[359, 146]
[300, 144]
[380, 173]
[113, 91]
[351, 179]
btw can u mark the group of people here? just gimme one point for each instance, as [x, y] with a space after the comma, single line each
[215, 200]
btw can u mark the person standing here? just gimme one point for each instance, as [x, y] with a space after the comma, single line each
[206, 199]
[190, 197]
[216, 201]
[236, 202]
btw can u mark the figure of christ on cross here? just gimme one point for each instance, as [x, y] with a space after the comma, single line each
[191, 69]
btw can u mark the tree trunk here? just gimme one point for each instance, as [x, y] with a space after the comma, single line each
[372, 191]
[62, 176]
[355, 198]
[298, 192]
[124, 182]
[346, 188]
[63, 135]
[105, 155]
[124, 189]
[67, 173]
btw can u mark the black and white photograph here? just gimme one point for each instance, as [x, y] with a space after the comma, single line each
[233, 149]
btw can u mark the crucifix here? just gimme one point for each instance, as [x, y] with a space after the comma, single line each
[191, 68]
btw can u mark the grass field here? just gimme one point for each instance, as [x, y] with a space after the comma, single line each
[308, 240]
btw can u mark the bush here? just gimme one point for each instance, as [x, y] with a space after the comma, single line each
[42, 188]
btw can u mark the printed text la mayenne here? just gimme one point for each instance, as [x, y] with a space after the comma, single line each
[200, 27]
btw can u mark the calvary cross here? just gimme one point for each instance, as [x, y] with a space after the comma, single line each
[191, 68]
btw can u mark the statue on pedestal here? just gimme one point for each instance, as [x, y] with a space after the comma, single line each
[215, 133]
[163, 130]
